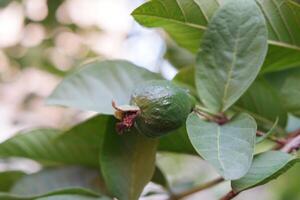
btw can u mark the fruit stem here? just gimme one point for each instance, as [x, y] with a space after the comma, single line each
[197, 189]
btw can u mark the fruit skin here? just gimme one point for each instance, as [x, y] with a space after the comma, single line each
[163, 106]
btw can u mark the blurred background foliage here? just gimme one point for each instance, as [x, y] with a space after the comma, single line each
[42, 41]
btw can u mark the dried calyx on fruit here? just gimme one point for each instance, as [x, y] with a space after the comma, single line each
[157, 107]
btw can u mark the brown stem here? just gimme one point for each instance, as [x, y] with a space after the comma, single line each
[229, 195]
[197, 189]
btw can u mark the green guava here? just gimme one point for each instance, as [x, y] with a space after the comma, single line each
[163, 107]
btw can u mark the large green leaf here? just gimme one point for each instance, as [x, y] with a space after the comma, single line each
[97, 84]
[55, 179]
[127, 162]
[79, 145]
[262, 100]
[8, 179]
[72, 197]
[229, 147]
[39, 145]
[72, 191]
[265, 167]
[233, 52]
[186, 21]
[287, 83]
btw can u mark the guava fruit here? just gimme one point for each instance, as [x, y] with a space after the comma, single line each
[156, 108]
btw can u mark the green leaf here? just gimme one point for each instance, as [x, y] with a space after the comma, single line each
[266, 167]
[287, 83]
[97, 84]
[229, 147]
[186, 21]
[37, 145]
[57, 179]
[233, 52]
[127, 162]
[8, 179]
[177, 142]
[261, 99]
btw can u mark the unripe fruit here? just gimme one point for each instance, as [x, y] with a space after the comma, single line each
[163, 107]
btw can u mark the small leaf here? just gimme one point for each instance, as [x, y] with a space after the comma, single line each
[127, 162]
[269, 133]
[265, 167]
[233, 52]
[97, 84]
[8, 179]
[229, 148]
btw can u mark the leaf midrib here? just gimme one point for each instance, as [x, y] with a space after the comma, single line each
[219, 148]
[231, 67]
[193, 25]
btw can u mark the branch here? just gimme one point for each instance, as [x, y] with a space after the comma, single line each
[197, 189]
